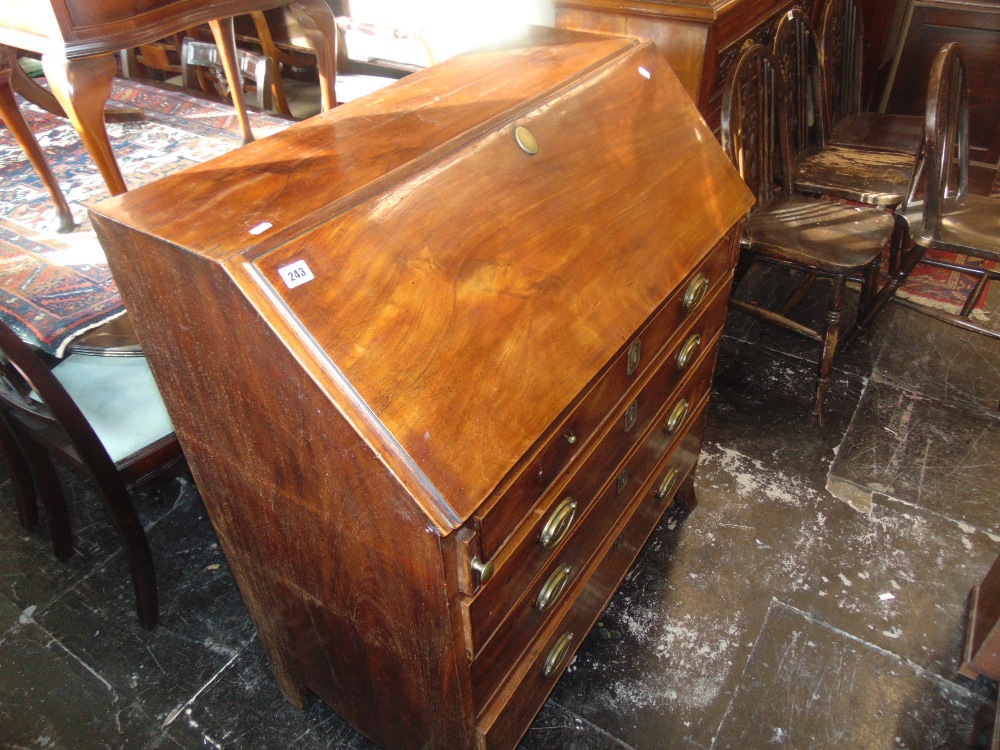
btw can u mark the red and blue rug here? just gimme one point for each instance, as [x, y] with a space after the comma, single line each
[54, 287]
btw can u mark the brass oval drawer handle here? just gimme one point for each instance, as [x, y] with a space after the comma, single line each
[695, 292]
[558, 653]
[686, 355]
[554, 587]
[484, 569]
[667, 484]
[558, 525]
[676, 418]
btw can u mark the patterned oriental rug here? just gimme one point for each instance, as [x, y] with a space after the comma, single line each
[947, 290]
[54, 287]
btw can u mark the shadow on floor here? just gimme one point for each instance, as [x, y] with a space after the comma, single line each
[776, 614]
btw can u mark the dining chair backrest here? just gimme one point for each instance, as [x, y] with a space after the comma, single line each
[840, 47]
[946, 137]
[105, 416]
[31, 392]
[755, 125]
[199, 56]
[797, 54]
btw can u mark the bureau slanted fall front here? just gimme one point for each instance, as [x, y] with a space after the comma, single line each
[439, 361]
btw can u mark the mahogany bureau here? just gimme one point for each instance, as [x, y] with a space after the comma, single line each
[439, 360]
[700, 38]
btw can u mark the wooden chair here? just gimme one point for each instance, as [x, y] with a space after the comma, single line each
[863, 175]
[281, 59]
[940, 211]
[201, 70]
[841, 48]
[103, 415]
[808, 234]
[18, 126]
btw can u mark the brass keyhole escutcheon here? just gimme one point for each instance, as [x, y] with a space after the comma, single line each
[526, 141]
[695, 292]
[621, 481]
[687, 352]
[633, 357]
[631, 414]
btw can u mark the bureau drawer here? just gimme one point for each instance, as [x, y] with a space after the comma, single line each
[551, 533]
[562, 573]
[509, 714]
[505, 509]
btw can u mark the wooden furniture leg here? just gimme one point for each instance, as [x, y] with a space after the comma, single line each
[20, 476]
[82, 86]
[12, 115]
[981, 646]
[320, 27]
[686, 497]
[27, 88]
[42, 98]
[268, 47]
[52, 496]
[225, 40]
[830, 338]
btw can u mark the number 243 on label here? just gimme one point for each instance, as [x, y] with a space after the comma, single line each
[295, 274]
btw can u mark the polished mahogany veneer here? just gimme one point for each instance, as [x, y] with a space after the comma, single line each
[700, 38]
[439, 360]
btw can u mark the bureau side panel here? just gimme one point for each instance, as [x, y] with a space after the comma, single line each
[341, 572]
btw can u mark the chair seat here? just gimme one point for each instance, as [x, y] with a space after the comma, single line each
[832, 237]
[119, 398]
[875, 178]
[880, 132]
[970, 225]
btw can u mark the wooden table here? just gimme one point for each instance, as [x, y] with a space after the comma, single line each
[78, 38]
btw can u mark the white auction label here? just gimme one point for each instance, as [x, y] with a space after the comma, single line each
[296, 274]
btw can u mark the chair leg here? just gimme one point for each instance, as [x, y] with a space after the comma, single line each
[799, 294]
[133, 539]
[869, 289]
[53, 497]
[907, 261]
[830, 337]
[20, 476]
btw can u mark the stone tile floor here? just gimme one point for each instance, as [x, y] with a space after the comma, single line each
[760, 620]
